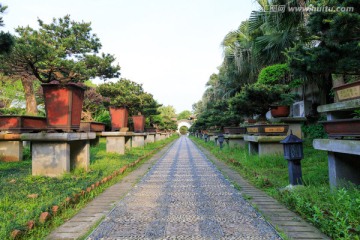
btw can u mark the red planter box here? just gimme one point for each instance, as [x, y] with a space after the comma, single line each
[280, 111]
[63, 106]
[342, 128]
[139, 123]
[21, 124]
[268, 129]
[234, 130]
[119, 118]
[92, 127]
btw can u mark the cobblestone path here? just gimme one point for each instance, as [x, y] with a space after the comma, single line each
[183, 196]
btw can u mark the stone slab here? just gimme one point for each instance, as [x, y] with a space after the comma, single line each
[264, 139]
[340, 146]
[349, 105]
[57, 137]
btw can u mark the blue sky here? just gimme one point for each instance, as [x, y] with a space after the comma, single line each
[170, 46]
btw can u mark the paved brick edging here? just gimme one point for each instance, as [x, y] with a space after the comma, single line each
[276, 214]
[95, 210]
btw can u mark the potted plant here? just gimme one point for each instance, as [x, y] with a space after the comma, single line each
[340, 128]
[282, 107]
[59, 64]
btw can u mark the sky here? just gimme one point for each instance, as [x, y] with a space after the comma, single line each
[170, 46]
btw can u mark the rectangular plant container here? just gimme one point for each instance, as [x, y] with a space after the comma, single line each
[342, 128]
[268, 129]
[92, 127]
[234, 130]
[150, 129]
[63, 105]
[22, 124]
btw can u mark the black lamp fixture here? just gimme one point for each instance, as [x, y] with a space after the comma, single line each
[293, 152]
[221, 139]
[206, 136]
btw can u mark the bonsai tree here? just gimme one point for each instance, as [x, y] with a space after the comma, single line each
[255, 99]
[60, 52]
[129, 94]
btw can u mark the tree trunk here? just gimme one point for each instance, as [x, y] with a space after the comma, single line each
[31, 106]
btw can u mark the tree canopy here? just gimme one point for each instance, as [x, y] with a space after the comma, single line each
[64, 51]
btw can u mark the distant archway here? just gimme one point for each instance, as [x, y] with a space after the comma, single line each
[183, 122]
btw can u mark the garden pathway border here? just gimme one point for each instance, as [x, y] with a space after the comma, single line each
[87, 218]
[277, 214]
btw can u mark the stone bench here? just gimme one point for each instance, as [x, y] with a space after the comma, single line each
[235, 140]
[343, 159]
[264, 145]
[56, 153]
[11, 147]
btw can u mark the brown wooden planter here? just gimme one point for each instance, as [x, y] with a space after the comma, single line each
[342, 128]
[92, 127]
[280, 111]
[63, 106]
[234, 130]
[347, 91]
[139, 123]
[22, 124]
[268, 129]
[150, 129]
[119, 118]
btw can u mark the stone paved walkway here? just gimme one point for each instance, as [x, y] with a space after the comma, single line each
[183, 196]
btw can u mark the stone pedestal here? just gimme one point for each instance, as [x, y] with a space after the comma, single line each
[11, 147]
[265, 145]
[235, 140]
[150, 137]
[343, 159]
[138, 139]
[56, 153]
[294, 123]
[117, 142]
[157, 137]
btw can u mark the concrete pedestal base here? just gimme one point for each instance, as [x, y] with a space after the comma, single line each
[343, 160]
[56, 153]
[11, 147]
[265, 145]
[117, 142]
[235, 140]
[138, 139]
[157, 137]
[150, 138]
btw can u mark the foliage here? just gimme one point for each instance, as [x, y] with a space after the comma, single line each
[126, 93]
[333, 211]
[356, 113]
[11, 90]
[16, 183]
[335, 42]
[103, 116]
[92, 105]
[165, 121]
[255, 99]
[6, 39]
[183, 130]
[64, 50]
[274, 74]
[184, 115]
[313, 131]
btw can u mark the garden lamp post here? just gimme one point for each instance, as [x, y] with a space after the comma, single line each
[221, 140]
[293, 152]
[206, 137]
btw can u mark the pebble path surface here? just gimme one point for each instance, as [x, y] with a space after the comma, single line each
[184, 196]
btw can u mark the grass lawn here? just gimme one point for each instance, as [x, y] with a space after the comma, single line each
[334, 212]
[24, 197]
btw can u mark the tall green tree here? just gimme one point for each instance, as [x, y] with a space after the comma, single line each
[6, 39]
[184, 115]
[62, 51]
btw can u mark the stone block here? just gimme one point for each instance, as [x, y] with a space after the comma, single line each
[115, 144]
[138, 140]
[11, 151]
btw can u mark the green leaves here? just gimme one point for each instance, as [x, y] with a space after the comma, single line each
[64, 50]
